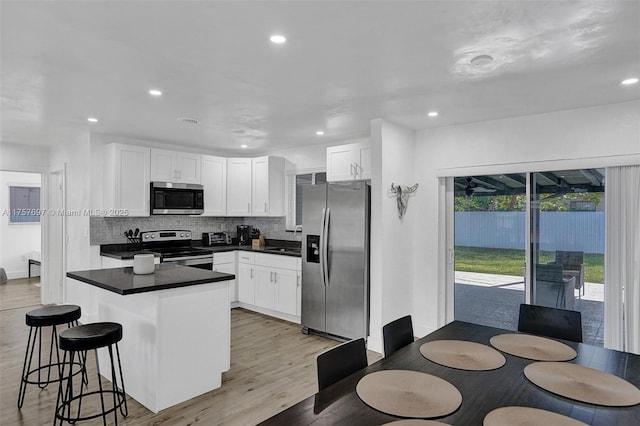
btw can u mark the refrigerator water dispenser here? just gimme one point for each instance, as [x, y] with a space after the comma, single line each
[313, 248]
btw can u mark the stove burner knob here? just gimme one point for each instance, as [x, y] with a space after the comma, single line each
[153, 235]
[146, 237]
[182, 235]
[187, 235]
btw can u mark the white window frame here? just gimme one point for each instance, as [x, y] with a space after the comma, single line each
[290, 193]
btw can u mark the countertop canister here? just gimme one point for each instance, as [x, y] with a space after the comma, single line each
[143, 264]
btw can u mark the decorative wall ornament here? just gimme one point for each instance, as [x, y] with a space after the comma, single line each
[402, 197]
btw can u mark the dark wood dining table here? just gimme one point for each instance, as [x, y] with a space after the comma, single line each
[482, 391]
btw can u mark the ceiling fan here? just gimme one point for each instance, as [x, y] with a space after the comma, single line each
[472, 188]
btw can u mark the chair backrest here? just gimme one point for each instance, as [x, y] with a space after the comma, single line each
[548, 272]
[397, 334]
[550, 322]
[340, 362]
[569, 258]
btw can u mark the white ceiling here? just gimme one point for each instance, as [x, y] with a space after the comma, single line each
[344, 64]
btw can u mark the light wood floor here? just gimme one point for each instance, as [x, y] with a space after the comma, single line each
[272, 367]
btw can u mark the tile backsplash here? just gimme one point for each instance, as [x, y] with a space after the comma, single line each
[110, 230]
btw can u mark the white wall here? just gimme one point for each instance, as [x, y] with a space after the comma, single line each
[596, 135]
[17, 241]
[391, 238]
[24, 158]
[75, 154]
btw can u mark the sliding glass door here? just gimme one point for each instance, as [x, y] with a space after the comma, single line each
[564, 211]
[490, 232]
[567, 218]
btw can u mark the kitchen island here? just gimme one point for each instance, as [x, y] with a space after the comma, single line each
[176, 327]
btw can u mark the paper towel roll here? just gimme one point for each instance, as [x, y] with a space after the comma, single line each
[143, 264]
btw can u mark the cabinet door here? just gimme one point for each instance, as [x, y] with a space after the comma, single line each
[238, 187]
[364, 163]
[265, 295]
[340, 163]
[188, 167]
[126, 184]
[245, 281]
[229, 268]
[214, 181]
[260, 186]
[286, 282]
[163, 166]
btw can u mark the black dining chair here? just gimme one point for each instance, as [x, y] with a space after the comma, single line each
[340, 362]
[397, 334]
[550, 322]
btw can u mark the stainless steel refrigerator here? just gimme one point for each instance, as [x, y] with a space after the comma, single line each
[335, 259]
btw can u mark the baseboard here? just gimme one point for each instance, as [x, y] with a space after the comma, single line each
[14, 275]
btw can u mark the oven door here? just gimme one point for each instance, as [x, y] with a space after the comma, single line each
[200, 261]
[176, 198]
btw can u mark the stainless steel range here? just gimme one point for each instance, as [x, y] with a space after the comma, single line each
[175, 246]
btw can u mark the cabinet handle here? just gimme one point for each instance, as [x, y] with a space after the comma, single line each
[248, 207]
[270, 276]
[265, 207]
[275, 277]
[298, 281]
[351, 172]
[357, 166]
[251, 273]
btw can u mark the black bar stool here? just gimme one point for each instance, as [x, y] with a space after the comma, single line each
[49, 316]
[81, 339]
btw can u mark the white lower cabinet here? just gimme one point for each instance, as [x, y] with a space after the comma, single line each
[270, 284]
[226, 262]
[245, 278]
[286, 283]
[265, 288]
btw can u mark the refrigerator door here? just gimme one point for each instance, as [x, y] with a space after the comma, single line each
[313, 290]
[348, 281]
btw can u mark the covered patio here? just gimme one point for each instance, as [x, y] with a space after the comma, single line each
[494, 300]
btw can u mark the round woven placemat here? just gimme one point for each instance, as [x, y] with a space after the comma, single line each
[583, 384]
[462, 355]
[533, 347]
[406, 393]
[527, 416]
[416, 422]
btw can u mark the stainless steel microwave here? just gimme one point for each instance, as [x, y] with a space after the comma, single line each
[176, 198]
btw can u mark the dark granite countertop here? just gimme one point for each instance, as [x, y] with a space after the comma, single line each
[280, 247]
[166, 276]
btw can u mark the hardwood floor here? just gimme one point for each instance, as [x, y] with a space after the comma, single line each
[272, 367]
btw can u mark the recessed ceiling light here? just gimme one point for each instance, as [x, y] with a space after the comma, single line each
[433, 114]
[243, 146]
[278, 39]
[629, 81]
[155, 92]
[481, 60]
[319, 133]
[92, 120]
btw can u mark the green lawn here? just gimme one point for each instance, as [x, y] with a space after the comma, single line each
[511, 262]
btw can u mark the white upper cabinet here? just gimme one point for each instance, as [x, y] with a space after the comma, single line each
[126, 179]
[267, 192]
[174, 166]
[214, 181]
[349, 162]
[238, 187]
